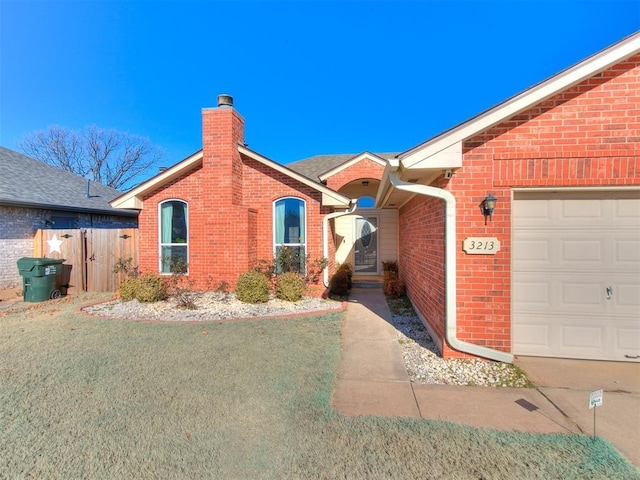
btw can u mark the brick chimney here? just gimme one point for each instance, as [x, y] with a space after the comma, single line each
[222, 131]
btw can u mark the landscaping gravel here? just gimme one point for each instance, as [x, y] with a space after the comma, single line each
[210, 306]
[425, 365]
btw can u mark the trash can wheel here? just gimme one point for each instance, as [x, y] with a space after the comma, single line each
[56, 294]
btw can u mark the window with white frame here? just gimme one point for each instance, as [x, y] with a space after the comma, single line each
[174, 238]
[289, 234]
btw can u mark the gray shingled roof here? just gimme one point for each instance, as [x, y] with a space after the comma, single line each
[25, 181]
[315, 166]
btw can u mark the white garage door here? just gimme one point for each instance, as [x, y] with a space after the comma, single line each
[576, 275]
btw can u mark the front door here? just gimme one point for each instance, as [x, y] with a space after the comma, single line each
[366, 246]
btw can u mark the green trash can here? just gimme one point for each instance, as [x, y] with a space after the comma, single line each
[39, 278]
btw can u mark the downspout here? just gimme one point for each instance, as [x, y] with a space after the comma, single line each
[325, 237]
[450, 268]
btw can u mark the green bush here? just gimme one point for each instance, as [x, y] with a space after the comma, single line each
[252, 287]
[289, 286]
[146, 288]
[151, 288]
[128, 289]
[339, 283]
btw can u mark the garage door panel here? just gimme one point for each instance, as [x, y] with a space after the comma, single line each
[627, 251]
[628, 339]
[562, 268]
[626, 297]
[580, 295]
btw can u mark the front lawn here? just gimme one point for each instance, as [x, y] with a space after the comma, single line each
[84, 397]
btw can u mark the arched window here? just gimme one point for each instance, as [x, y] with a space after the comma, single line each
[289, 234]
[174, 236]
[366, 202]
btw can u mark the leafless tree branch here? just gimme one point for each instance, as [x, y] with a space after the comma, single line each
[111, 157]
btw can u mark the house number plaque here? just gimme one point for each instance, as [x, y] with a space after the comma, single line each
[481, 245]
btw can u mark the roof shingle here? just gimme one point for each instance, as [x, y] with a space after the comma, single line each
[25, 181]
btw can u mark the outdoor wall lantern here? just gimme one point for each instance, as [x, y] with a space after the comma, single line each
[488, 205]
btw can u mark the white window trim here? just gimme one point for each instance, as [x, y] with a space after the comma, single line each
[273, 225]
[160, 244]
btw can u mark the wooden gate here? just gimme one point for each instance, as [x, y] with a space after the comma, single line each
[91, 255]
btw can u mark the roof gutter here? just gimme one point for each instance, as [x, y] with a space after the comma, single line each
[450, 267]
[325, 237]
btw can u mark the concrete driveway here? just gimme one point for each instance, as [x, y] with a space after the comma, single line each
[372, 380]
[568, 383]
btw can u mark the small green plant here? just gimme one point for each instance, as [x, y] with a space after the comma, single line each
[252, 287]
[289, 286]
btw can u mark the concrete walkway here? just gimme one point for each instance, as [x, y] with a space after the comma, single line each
[372, 380]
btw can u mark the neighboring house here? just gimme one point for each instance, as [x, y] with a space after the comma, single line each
[34, 195]
[553, 270]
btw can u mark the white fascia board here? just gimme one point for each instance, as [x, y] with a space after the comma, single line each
[556, 84]
[353, 161]
[332, 197]
[133, 198]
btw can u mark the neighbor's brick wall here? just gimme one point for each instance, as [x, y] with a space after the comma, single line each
[364, 169]
[586, 136]
[19, 225]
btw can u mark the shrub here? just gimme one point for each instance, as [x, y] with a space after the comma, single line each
[390, 266]
[394, 288]
[151, 288]
[347, 269]
[128, 288]
[252, 287]
[339, 283]
[314, 270]
[264, 267]
[289, 286]
[126, 266]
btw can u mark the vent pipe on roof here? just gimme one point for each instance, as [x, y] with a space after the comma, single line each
[225, 100]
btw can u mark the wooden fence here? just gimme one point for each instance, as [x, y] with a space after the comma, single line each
[91, 255]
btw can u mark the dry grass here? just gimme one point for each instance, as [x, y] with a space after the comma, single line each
[84, 397]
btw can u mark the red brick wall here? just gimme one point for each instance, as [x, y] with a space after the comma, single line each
[230, 200]
[587, 136]
[365, 168]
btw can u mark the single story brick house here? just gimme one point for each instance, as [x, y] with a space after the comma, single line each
[516, 232]
[34, 195]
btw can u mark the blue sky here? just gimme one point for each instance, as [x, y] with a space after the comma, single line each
[309, 77]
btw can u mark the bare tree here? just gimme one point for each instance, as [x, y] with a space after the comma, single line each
[111, 157]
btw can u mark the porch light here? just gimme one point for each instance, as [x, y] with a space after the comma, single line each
[365, 183]
[488, 205]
